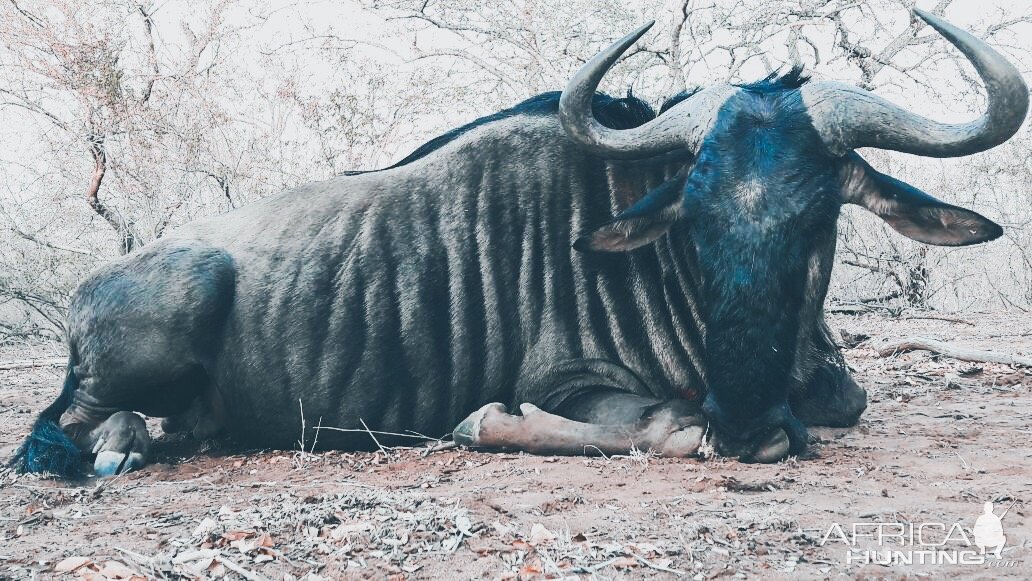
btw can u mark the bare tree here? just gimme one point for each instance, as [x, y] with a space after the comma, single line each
[154, 114]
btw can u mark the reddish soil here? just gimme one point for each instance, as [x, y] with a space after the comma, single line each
[940, 438]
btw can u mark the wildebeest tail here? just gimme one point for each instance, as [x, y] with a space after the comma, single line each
[47, 448]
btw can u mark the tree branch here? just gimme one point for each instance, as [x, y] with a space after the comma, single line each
[952, 351]
[121, 226]
[152, 53]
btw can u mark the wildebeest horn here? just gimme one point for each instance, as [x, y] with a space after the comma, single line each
[848, 117]
[682, 127]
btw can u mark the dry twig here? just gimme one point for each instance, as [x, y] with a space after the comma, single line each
[240, 570]
[940, 318]
[952, 351]
[31, 363]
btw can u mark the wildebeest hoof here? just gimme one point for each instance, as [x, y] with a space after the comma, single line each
[120, 443]
[773, 449]
[467, 433]
[110, 463]
[683, 443]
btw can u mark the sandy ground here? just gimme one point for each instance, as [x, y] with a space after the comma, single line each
[940, 438]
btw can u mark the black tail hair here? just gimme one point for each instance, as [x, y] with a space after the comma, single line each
[47, 448]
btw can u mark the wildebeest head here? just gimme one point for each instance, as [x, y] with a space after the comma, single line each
[772, 164]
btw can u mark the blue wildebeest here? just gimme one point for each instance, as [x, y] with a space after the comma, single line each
[487, 267]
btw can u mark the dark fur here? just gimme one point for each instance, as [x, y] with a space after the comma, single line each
[777, 83]
[757, 232]
[408, 297]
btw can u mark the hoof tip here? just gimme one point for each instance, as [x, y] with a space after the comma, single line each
[109, 463]
[774, 449]
[684, 442]
[467, 433]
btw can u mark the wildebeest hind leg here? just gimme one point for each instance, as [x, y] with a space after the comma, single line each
[666, 431]
[142, 339]
[121, 443]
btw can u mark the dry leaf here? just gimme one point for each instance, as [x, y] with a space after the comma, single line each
[539, 534]
[71, 564]
[206, 527]
[625, 562]
[116, 570]
[644, 549]
[463, 524]
[244, 546]
[528, 570]
[264, 540]
[344, 530]
[237, 535]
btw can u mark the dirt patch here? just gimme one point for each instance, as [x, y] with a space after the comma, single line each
[940, 438]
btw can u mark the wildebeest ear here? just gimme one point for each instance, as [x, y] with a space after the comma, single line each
[642, 223]
[912, 212]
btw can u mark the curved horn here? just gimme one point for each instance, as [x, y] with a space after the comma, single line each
[848, 117]
[683, 126]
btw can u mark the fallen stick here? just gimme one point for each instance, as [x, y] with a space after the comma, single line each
[657, 567]
[940, 318]
[30, 363]
[847, 309]
[438, 447]
[143, 561]
[952, 351]
[239, 570]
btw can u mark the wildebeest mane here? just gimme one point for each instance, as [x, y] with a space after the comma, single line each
[613, 112]
[774, 82]
[674, 100]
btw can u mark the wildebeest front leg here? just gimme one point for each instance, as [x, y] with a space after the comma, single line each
[665, 431]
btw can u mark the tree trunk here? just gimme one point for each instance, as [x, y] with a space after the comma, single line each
[129, 240]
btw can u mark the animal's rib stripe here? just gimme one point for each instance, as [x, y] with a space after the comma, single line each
[585, 289]
[348, 288]
[415, 364]
[688, 336]
[432, 305]
[377, 299]
[316, 326]
[680, 305]
[670, 350]
[499, 226]
[532, 272]
[485, 262]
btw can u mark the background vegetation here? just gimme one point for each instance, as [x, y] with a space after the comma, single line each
[122, 120]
